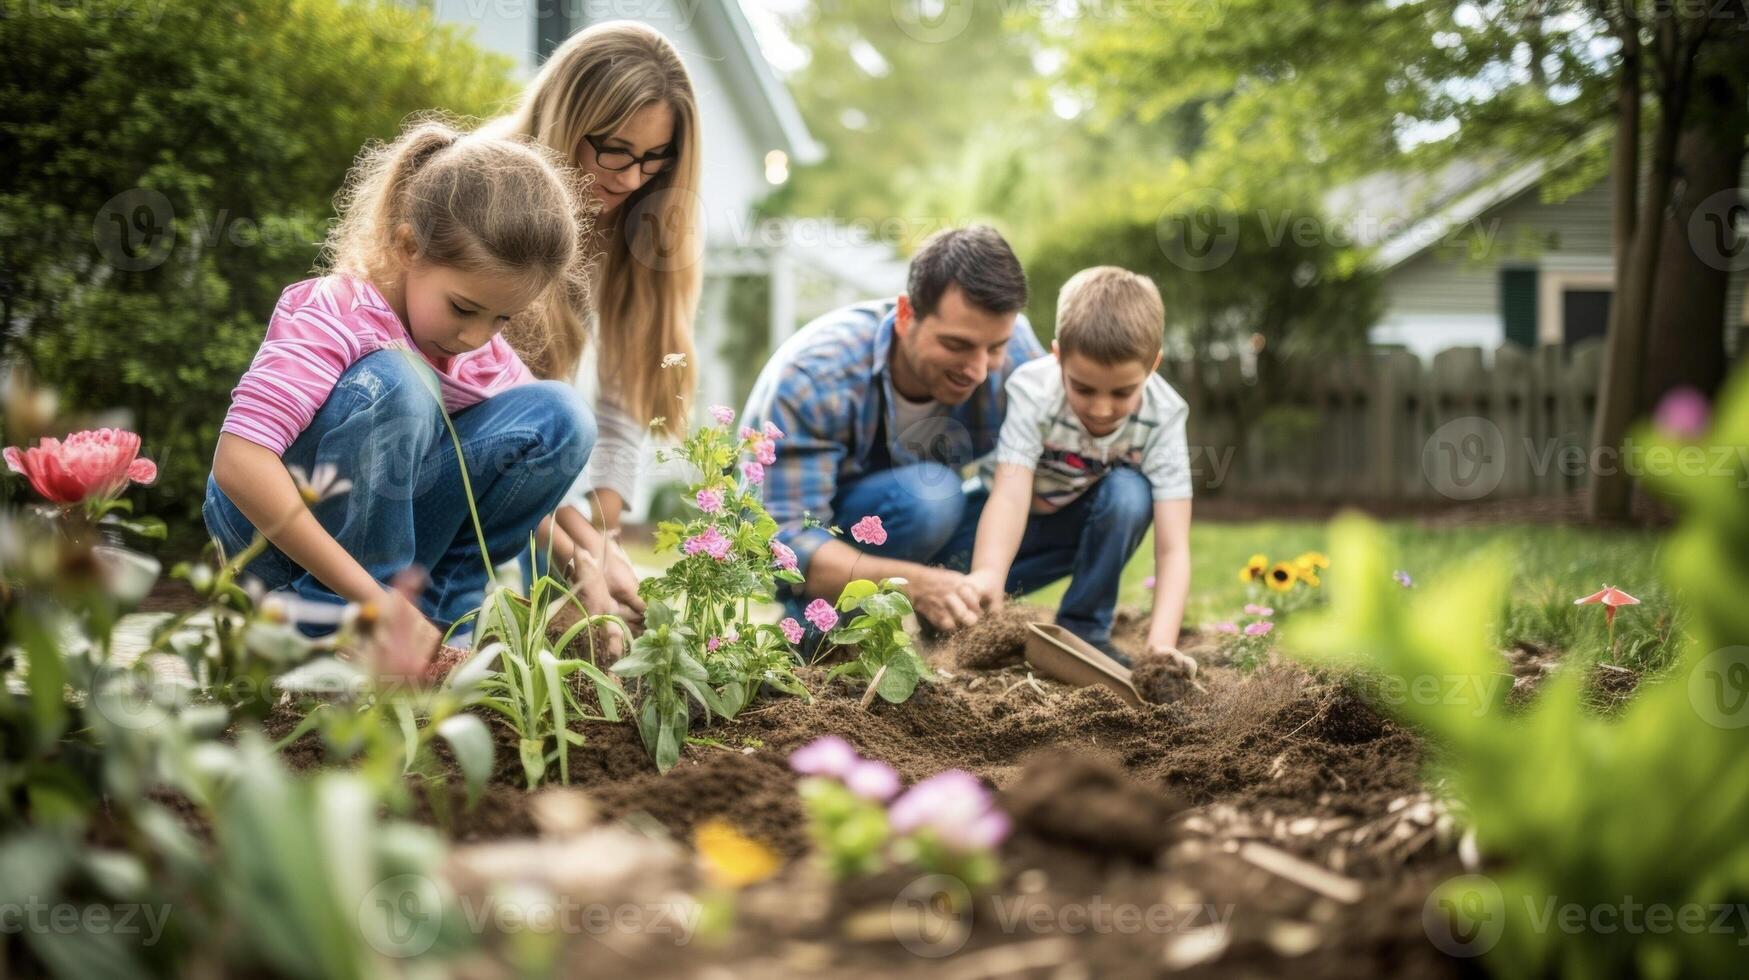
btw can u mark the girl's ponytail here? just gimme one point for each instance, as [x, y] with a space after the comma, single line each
[481, 203]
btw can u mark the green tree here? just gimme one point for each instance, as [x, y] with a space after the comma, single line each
[170, 169]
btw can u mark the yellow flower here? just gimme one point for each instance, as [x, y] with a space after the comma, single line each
[1254, 569]
[1313, 559]
[731, 858]
[1281, 576]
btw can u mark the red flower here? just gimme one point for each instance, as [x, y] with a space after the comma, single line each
[95, 463]
[1610, 598]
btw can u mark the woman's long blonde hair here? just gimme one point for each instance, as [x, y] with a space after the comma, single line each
[647, 252]
[503, 206]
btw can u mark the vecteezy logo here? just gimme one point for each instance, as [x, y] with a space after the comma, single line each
[1718, 689]
[938, 439]
[931, 916]
[932, 21]
[659, 229]
[1465, 458]
[401, 916]
[135, 230]
[1718, 231]
[1198, 230]
[1465, 916]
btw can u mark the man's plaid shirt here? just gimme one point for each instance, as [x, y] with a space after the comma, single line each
[829, 389]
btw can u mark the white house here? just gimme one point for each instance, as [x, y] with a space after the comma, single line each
[1472, 255]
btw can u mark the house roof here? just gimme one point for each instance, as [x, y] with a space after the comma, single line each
[1401, 214]
[754, 83]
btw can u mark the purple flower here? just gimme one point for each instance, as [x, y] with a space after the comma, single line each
[792, 630]
[783, 556]
[869, 531]
[711, 542]
[1683, 413]
[754, 472]
[1259, 628]
[828, 755]
[955, 807]
[710, 501]
[821, 614]
[1253, 609]
[712, 643]
[1148, 582]
[772, 432]
[1403, 579]
[872, 780]
[723, 414]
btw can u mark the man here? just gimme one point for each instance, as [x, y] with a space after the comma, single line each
[883, 406]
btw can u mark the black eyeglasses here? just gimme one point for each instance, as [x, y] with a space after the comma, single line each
[614, 159]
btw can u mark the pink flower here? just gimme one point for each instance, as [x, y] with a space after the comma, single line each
[94, 463]
[1259, 628]
[748, 432]
[869, 531]
[710, 501]
[723, 414]
[1611, 599]
[1148, 582]
[828, 755]
[1253, 609]
[872, 780]
[765, 451]
[772, 432]
[1402, 578]
[754, 472]
[712, 643]
[785, 558]
[711, 542]
[792, 630]
[1683, 413]
[953, 806]
[821, 614]
[1227, 627]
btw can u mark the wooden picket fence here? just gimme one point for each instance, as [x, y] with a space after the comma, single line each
[1383, 426]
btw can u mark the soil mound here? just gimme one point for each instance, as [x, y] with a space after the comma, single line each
[1090, 802]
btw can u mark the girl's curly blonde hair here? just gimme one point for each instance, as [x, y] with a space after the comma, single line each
[497, 205]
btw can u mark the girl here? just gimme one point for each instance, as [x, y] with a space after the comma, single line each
[616, 102]
[442, 239]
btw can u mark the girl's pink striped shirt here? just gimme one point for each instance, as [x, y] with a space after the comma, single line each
[318, 329]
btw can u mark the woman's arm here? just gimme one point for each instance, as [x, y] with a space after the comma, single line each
[1171, 572]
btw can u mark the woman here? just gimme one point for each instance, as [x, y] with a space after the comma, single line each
[617, 102]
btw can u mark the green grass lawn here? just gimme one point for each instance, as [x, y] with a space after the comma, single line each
[1551, 566]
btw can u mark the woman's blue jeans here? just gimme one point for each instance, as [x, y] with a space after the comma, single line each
[382, 427]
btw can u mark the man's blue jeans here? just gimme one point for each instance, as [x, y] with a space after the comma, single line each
[1090, 540]
[382, 427]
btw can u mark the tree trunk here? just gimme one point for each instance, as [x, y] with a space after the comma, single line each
[1617, 377]
[1686, 337]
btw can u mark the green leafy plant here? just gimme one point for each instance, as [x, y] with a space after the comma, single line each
[669, 680]
[1570, 809]
[521, 672]
[885, 655]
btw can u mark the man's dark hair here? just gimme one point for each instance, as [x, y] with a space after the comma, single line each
[978, 259]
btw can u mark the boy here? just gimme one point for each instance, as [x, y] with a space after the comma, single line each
[1093, 428]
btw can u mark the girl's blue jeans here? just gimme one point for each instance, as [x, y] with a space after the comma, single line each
[382, 427]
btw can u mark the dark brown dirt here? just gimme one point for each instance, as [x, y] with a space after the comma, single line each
[997, 641]
[1087, 800]
[1161, 679]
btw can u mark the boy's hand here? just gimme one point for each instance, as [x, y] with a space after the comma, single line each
[989, 586]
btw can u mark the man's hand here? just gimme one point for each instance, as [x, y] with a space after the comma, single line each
[989, 588]
[947, 599]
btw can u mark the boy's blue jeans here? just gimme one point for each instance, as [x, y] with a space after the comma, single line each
[383, 429]
[1090, 540]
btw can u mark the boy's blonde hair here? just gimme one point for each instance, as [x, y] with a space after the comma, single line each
[1110, 315]
[500, 206]
[648, 267]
